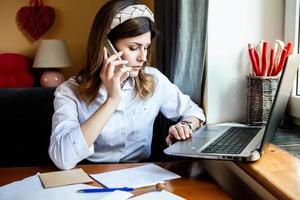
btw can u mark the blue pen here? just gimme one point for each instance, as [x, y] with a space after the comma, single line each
[104, 190]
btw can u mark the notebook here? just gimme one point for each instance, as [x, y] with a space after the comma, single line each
[215, 142]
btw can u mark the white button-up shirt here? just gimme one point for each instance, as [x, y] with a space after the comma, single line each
[127, 135]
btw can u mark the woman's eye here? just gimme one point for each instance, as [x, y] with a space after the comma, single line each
[133, 48]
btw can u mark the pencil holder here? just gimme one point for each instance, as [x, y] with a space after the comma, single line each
[260, 95]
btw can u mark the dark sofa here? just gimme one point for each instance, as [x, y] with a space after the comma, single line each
[26, 116]
[26, 120]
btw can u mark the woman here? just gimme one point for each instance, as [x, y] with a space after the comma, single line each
[106, 113]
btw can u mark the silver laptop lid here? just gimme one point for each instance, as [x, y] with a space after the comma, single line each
[281, 99]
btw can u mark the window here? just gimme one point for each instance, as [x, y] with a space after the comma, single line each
[298, 84]
[292, 19]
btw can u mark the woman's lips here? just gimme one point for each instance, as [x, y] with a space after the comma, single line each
[136, 68]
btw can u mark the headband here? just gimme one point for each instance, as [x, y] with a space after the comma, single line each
[131, 12]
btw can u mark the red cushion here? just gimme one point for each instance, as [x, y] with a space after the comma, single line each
[15, 71]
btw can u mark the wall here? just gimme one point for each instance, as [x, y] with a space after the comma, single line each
[73, 21]
[231, 26]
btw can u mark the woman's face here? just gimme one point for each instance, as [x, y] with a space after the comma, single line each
[135, 50]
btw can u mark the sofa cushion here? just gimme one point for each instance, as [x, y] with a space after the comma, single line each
[15, 71]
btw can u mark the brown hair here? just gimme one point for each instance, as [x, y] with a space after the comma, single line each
[89, 77]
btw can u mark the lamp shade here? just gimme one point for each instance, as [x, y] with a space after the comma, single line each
[52, 54]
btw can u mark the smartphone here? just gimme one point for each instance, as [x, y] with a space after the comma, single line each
[111, 51]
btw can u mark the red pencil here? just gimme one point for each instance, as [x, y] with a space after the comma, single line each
[264, 58]
[289, 48]
[281, 63]
[271, 66]
[257, 61]
[253, 61]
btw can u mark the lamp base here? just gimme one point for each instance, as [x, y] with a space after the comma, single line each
[52, 78]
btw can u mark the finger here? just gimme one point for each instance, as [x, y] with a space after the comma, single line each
[113, 65]
[180, 130]
[105, 54]
[122, 71]
[110, 70]
[116, 56]
[173, 131]
[105, 63]
[120, 63]
[169, 140]
[187, 131]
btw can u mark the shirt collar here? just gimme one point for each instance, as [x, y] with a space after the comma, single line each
[130, 83]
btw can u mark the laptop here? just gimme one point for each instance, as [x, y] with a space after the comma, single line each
[240, 143]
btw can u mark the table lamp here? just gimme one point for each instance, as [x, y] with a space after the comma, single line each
[52, 55]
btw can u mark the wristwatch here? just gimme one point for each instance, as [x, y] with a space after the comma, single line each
[190, 124]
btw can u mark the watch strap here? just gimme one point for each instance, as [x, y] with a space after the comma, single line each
[188, 123]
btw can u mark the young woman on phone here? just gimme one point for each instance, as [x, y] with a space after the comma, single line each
[106, 113]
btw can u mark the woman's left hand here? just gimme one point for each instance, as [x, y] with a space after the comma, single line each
[179, 131]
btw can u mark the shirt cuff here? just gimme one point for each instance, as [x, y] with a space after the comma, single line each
[79, 144]
[198, 115]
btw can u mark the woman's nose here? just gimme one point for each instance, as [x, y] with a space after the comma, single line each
[142, 57]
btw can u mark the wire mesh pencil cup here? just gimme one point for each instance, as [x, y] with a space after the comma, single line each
[260, 95]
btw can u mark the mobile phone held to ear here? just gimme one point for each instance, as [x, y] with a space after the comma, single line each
[111, 51]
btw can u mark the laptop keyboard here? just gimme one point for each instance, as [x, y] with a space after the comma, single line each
[233, 141]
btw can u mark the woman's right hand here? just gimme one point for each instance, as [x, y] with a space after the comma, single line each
[111, 78]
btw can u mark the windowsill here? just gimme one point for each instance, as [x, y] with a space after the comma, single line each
[294, 109]
[277, 171]
[274, 176]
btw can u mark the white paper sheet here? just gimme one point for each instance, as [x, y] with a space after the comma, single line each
[31, 189]
[117, 195]
[135, 177]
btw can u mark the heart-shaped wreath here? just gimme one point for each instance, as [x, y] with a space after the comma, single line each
[36, 18]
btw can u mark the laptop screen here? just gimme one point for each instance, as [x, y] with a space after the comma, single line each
[281, 99]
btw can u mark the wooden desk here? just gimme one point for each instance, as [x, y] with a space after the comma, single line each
[194, 184]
